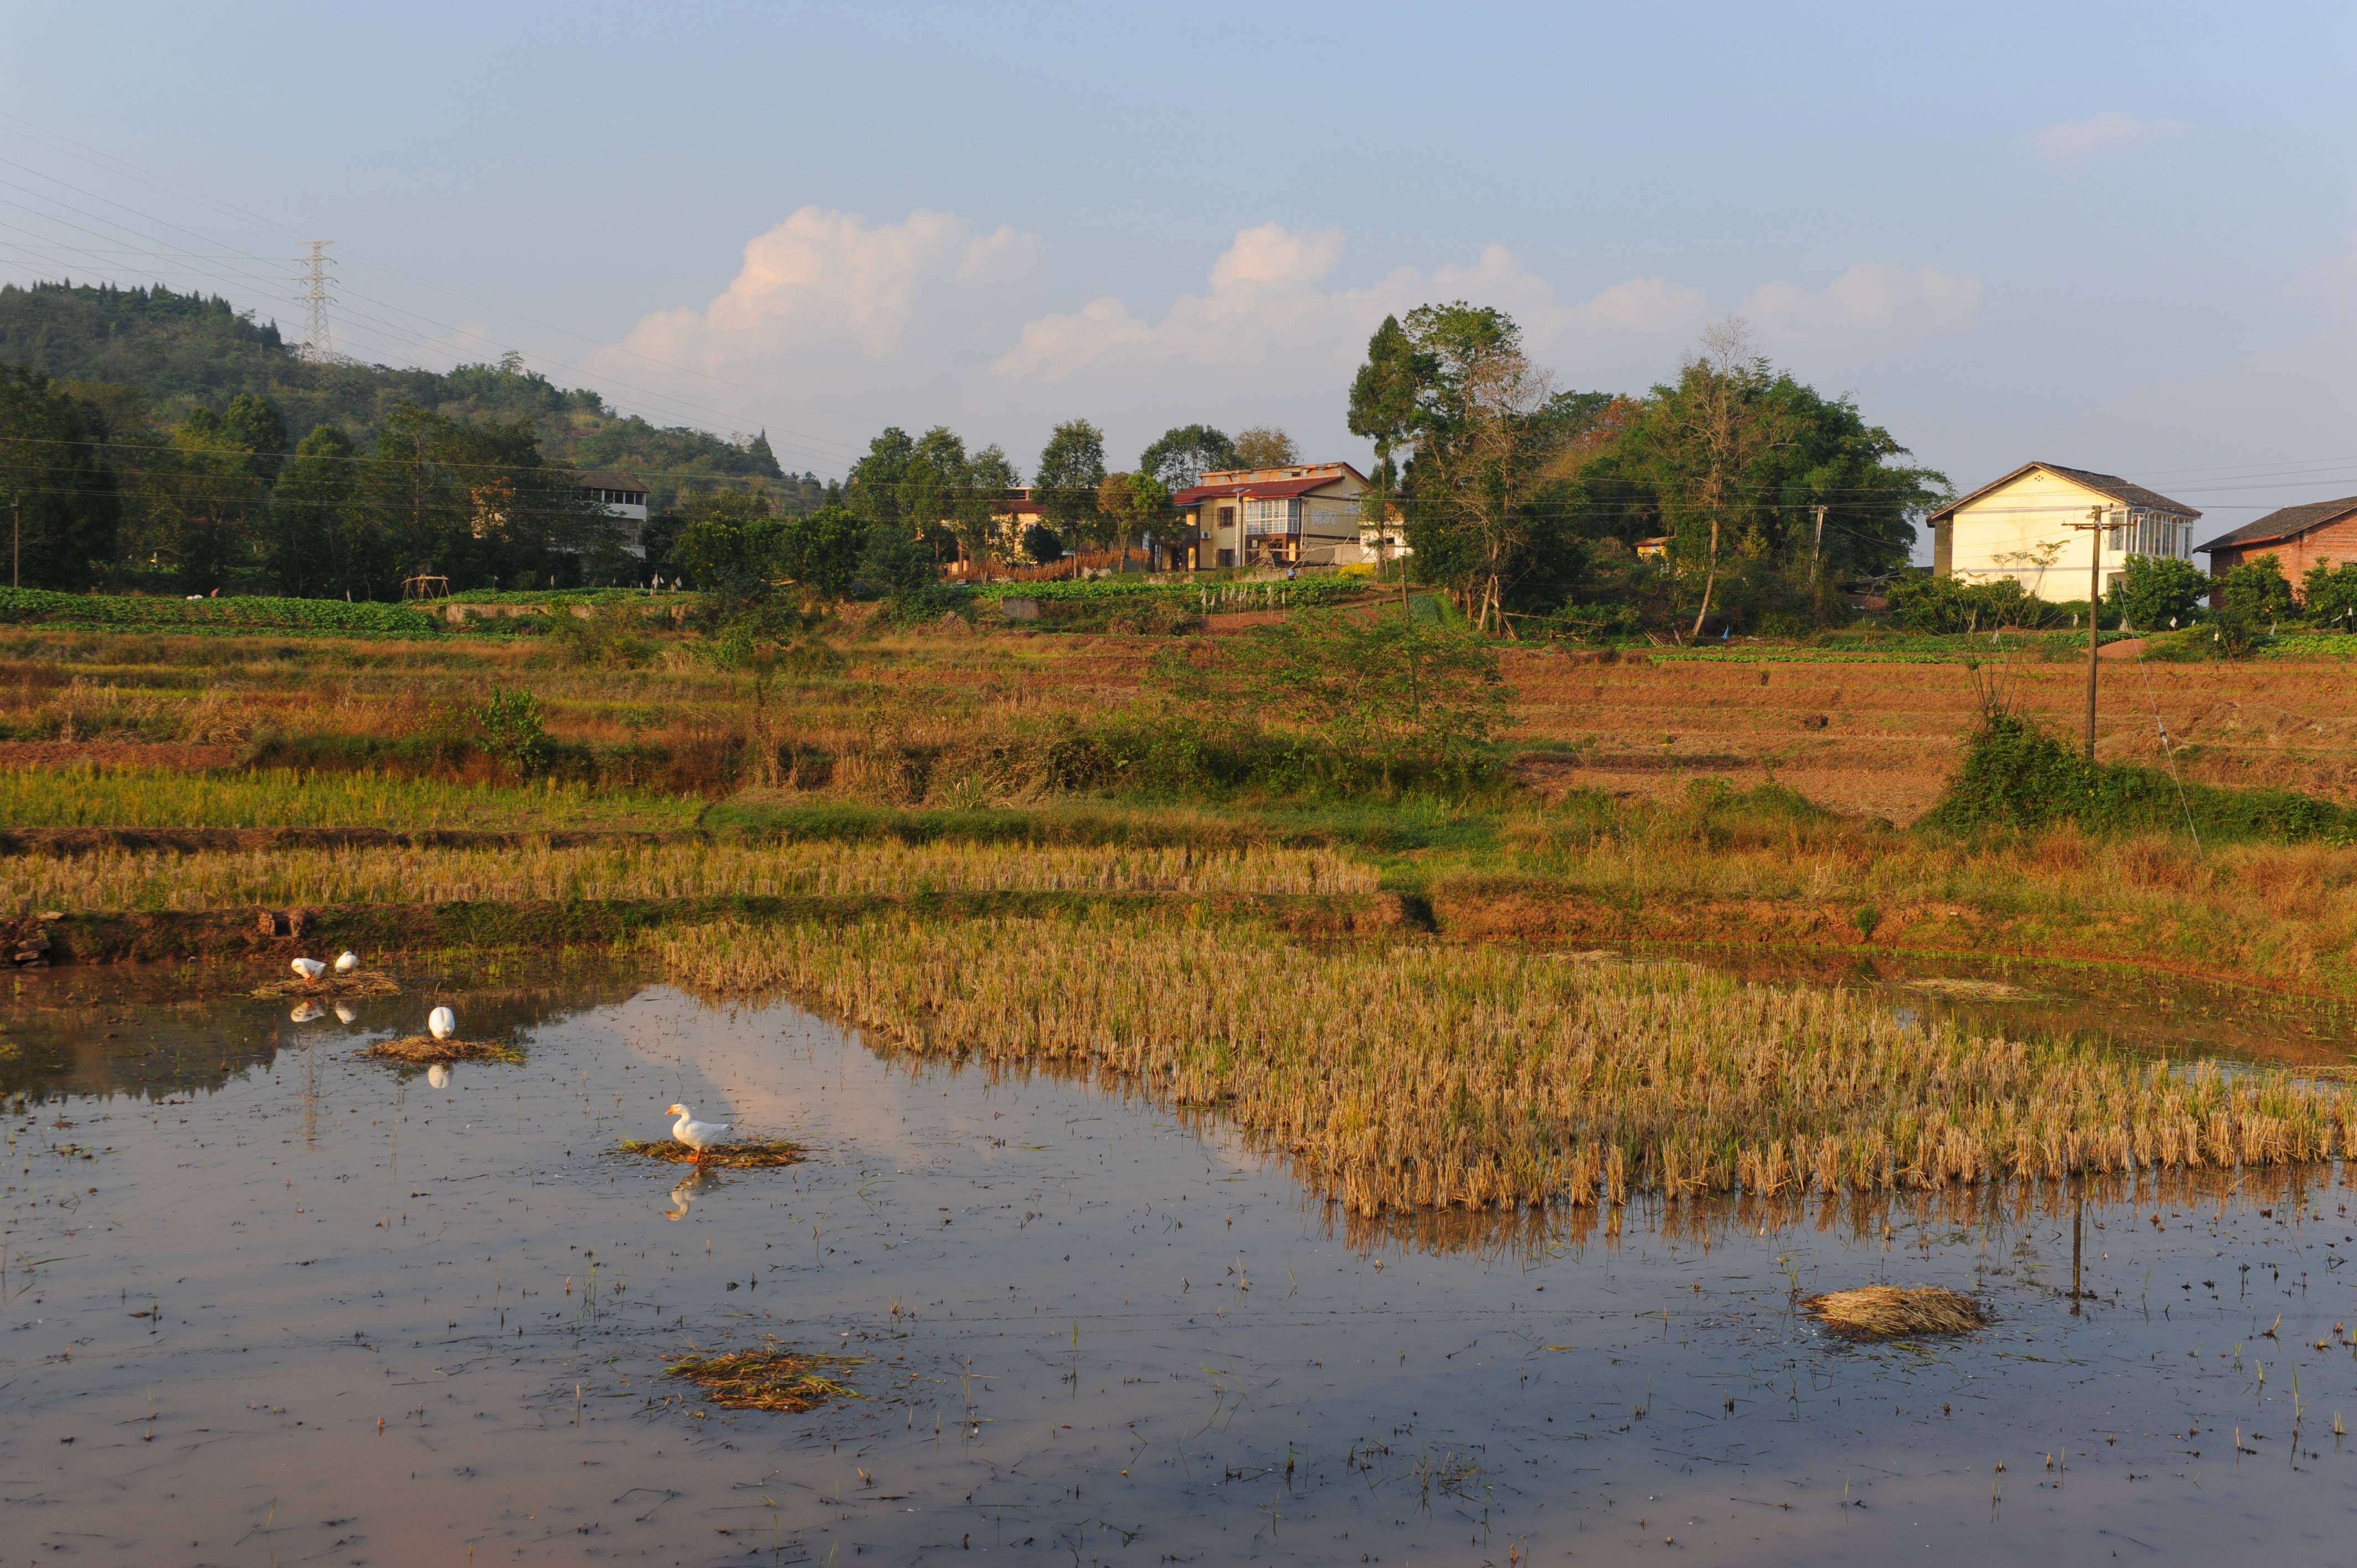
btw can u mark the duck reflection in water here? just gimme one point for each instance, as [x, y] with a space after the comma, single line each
[307, 1011]
[692, 1185]
[438, 1075]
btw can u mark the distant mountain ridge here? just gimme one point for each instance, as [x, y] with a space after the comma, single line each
[183, 352]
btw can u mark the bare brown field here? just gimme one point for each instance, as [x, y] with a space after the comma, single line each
[1891, 730]
[1863, 736]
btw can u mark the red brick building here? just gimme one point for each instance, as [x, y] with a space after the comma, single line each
[2298, 537]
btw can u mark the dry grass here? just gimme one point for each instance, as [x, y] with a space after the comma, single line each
[113, 880]
[1888, 1311]
[1405, 1074]
[90, 796]
[2275, 914]
[749, 1156]
[788, 1381]
[1640, 727]
[424, 1050]
[333, 987]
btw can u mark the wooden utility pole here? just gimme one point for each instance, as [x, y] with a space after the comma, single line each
[15, 539]
[2095, 598]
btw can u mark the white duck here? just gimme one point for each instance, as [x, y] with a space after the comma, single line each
[346, 961]
[441, 1023]
[697, 1135]
[309, 968]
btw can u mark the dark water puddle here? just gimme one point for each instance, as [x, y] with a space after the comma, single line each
[1094, 1332]
[2136, 1009]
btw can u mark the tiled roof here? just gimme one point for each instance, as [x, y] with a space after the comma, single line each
[611, 481]
[2284, 523]
[1264, 488]
[2110, 485]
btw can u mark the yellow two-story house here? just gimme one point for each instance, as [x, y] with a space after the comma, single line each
[2039, 524]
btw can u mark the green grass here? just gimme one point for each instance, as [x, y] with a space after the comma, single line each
[165, 798]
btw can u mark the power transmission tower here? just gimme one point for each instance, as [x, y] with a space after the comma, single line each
[318, 337]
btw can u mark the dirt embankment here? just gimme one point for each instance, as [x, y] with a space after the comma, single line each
[380, 929]
[1515, 909]
[192, 841]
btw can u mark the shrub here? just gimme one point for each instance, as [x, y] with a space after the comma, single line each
[1953, 604]
[2256, 589]
[511, 729]
[2157, 591]
[2018, 774]
[2331, 594]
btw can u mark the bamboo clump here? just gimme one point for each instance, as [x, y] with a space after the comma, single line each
[1398, 1075]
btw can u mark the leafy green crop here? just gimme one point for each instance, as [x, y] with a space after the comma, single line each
[262, 613]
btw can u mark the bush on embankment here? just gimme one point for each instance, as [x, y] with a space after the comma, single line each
[2017, 775]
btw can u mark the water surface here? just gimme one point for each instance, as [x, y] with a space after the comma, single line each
[265, 1302]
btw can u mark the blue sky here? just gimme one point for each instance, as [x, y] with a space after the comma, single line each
[2121, 237]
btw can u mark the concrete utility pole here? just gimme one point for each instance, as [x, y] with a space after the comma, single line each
[2095, 598]
[1817, 550]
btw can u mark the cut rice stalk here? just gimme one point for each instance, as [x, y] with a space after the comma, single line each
[1890, 1312]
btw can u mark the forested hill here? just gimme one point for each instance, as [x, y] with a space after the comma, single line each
[152, 355]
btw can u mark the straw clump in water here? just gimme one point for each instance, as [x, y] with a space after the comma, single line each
[746, 1157]
[333, 987]
[424, 1050]
[1408, 1074]
[1892, 1312]
[770, 1378]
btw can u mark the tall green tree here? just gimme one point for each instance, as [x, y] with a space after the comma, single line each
[1483, 418]
[872, 489]
[1383, 410]
[254, 423]
[990, 483]
[1072, 466]
[316, 546]
[1738, 456]
[480, 504]
[1184, 453]
[822, 551]
[62, 503]
[1266, 446]
[932, 478]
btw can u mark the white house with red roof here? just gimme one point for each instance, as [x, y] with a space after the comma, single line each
[1306, 514]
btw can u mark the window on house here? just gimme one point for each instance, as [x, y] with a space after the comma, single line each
[1282, 515]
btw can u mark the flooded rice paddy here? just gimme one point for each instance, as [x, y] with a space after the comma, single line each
[263, 1302]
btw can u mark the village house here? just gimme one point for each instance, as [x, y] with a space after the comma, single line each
[623, 499]
[2032, 525]
[2298, 537]
[1306, 514]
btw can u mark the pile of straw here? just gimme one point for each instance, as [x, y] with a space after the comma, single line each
[424, 1050]
[773, 1379]
[747, 1157]
[1890, 1312]
[333, 987]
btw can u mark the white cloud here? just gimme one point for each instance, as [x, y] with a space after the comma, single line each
[922, 321]
[1873, 307]
[823, 277]
[2081, 141]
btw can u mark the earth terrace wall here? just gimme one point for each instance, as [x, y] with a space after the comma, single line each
[238, 935]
